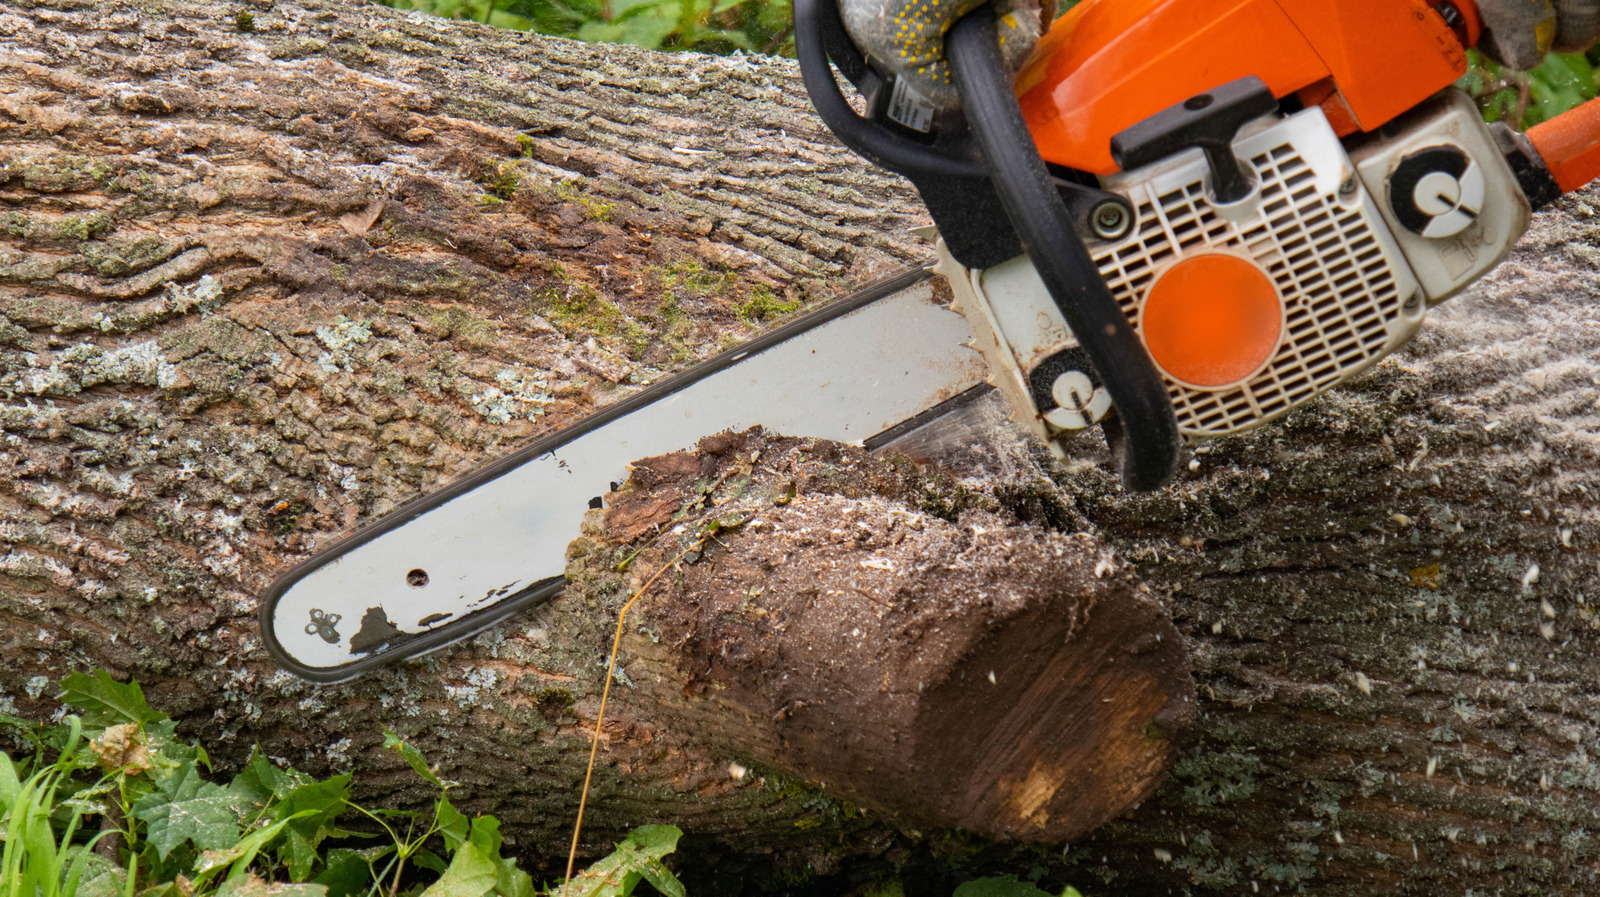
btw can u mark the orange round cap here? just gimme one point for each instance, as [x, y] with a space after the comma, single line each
[1212, 321]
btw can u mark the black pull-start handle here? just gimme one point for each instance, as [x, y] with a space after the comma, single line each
[1148, 451]
[1209, 121]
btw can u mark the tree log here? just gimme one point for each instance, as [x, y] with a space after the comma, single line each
[260, 286]
[960, 670]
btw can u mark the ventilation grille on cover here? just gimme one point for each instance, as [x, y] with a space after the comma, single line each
[1337, 283]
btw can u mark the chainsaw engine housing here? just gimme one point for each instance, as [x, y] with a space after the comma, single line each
[1340, 250]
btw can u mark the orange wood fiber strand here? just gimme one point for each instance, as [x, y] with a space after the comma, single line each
[605, 694]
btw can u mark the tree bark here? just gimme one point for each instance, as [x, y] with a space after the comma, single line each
[259, 286]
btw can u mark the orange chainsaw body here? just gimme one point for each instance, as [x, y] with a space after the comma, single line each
[1109, 64]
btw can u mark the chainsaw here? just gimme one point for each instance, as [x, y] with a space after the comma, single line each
[1180, 220]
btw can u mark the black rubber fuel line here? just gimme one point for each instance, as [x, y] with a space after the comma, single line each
[1147, 455]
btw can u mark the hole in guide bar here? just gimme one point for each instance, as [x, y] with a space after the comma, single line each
[417, 578]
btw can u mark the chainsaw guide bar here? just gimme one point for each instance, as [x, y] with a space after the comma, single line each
[452, 563]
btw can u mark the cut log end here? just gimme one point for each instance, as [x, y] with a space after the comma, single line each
[972, 672]
[1044, 731]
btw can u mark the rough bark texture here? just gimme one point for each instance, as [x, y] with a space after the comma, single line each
[260, 286]
[956, 670]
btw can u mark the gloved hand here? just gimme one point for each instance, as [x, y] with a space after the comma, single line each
[1517, 33]
[905, 38]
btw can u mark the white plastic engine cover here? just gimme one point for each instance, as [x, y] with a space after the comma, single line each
[1478, 216]
[1349, 296]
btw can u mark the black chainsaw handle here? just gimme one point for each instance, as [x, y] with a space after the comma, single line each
[1145, 440]
[819, 37]
[1149, 450]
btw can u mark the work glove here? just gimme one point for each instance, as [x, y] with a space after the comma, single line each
[904, 39]
[1517, 33]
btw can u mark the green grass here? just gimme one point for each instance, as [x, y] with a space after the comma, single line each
[40, 858]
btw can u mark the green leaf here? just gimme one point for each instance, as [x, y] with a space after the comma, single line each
[312, 806]
[238, 856]
[85, 862]
[10, 784]
[509, 880]
[513, 882]
[486, 835]
[168, 751]
[427, 859]
[655, 841]
[645, 25]
[349, 872]
[254, 842]
[452, 824]
[107, 702]
[471, 874]
[299, 852]
[261, 781]
[324, 800]
[1005, 886]
[252, 886]
[286, 793]
[101, 878]
[1570, 71]
[637, 857]
[188, 808]
[254, 785]
[415, 758]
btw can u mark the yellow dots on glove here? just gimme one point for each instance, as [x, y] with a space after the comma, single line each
[1545, 35]
[904, 39]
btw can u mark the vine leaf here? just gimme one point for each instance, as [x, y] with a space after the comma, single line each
[189, 808]
[107, 702]
[637, 857]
